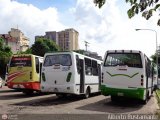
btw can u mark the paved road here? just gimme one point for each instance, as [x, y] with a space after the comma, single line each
[13, 102]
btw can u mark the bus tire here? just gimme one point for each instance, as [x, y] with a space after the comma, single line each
[114, 98]
[87, 94]
[146, 99]
[28, 92]
[59, 95]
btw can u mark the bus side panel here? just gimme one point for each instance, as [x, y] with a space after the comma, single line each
[92, 82]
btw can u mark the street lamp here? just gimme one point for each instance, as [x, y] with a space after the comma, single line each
[156, 46]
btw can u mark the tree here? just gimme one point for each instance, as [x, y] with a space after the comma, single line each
[28, 51]
[43, 45]
[5, 54]
[145, 7]
[80, 51]
[153, 57]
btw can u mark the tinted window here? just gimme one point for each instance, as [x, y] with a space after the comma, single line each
[94, 68]
[88, 66]
[62, 59]
[21, 61]
[37, 64]
[129, 59]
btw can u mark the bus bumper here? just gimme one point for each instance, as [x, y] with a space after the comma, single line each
[27, 85]
[137, 93]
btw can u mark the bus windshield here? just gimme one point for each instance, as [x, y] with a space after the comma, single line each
[21, 61]
[61, 59]
[129, 59]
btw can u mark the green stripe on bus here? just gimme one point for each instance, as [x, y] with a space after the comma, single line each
[130, 93]
[113, 75]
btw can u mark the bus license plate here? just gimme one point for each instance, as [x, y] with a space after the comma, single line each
[120, 94]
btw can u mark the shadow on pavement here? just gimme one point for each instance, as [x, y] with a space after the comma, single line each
[51, 100]
[7, 91]
[18, 95]
[107, 106]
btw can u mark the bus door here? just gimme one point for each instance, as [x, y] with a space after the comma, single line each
[40, 69]
[82, 78]
[99, 75]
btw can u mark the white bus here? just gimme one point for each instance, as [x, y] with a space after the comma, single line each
[155, 76]
[70, 73]
[127, 73]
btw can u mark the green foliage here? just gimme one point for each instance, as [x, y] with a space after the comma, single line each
[5, 54]
[80, 51]
[144, 7]
[153, 57]
[43, 45]
[99, 3]
[28, 51]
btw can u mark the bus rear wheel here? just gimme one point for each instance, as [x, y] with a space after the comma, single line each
[114, 98]
[87, 94]
[146, 99]
[28, 92]
[59, 95]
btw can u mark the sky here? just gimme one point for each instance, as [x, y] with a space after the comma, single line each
[108, 28]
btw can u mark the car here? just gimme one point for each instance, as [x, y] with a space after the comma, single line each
[1, 82]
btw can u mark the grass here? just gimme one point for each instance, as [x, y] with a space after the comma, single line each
[158, 100]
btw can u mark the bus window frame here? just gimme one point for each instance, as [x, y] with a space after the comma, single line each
[104, 64]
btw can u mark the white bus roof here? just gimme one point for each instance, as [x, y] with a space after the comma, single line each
[123, 51]
[70, 52]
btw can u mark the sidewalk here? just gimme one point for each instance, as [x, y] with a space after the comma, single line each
[4, 88]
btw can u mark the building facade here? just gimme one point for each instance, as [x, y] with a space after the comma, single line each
[52, 35]
[16, 40]
[66, 39]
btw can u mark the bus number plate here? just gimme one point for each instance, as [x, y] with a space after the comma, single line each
[56, 67]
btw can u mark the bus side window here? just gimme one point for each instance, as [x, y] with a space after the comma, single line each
[148, 68]
[94, 68]
[78, 64]
[37, 65]
[88, 66]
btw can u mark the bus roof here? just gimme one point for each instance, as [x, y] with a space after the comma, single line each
[123, 51]
[23, 55]
[71, 52]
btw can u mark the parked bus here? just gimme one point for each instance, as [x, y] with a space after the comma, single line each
[127, 73]
[70, 73]
[155, 76]
[24, 73]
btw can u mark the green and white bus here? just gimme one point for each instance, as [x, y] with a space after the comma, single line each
[127, 73]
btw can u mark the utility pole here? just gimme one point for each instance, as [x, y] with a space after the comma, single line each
[86, 44]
